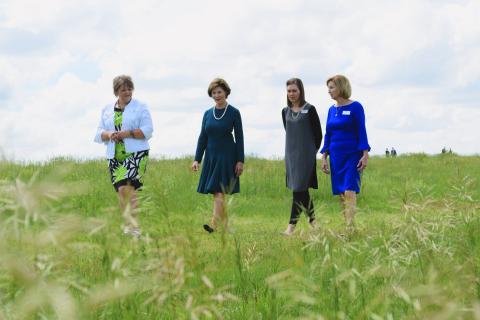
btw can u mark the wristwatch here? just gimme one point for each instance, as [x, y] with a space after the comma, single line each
[132, 133]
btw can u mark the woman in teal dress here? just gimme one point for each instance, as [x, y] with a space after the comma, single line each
[224, 154]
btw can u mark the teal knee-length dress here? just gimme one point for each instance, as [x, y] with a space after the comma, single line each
[221, 139]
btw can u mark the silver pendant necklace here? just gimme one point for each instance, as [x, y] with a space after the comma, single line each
[220, 118]
[336, 110]
[338, 107]
[298, 113]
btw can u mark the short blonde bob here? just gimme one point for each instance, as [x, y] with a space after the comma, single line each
[120, 81]
[219, 82]
[342, 84]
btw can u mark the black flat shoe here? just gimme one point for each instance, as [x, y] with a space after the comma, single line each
[208, 228]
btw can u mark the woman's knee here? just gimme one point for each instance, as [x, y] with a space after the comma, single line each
[126, 191]
[350, 193]
[218, 197]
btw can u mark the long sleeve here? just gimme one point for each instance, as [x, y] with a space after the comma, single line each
[361, 129]
[316, 127]
[237, 127]
[100, 129]
[146, 124]
[202, 141]
[284, 111]
[326, 141]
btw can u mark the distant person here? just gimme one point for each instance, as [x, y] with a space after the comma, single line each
[302, 141]
[224, 155]
[347, 145]
[450, 150]
[125, 128]
[393, 152]
[387, 153]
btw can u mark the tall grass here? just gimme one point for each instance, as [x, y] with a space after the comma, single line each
[416, 254]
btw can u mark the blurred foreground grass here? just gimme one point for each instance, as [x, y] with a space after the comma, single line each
[416, 255]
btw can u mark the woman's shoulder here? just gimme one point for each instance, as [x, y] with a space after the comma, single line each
[235, 110]
[108, 107]
[356, 106]
[232, 111]
[138, 104]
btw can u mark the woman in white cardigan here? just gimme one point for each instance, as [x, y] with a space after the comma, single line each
[125, 127]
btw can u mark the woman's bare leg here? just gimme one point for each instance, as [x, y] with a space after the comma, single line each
[350, 207]
[129, 205]
[341, 198]
[219, 214]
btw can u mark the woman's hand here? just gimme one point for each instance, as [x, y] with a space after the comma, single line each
[107, 135]
[195, 166]
[325, 168]
[239, 169]
[362, 164]
[118, 136]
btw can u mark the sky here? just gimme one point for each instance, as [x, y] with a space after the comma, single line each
[413, 65]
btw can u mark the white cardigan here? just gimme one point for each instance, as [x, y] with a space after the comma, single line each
[135, 116]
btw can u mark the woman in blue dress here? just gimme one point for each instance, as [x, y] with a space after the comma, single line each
[347, 145]
[224, 155]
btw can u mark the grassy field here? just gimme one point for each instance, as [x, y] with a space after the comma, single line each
[416, 254]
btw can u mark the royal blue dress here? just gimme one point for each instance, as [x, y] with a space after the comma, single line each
[345, 141]
[222, 152]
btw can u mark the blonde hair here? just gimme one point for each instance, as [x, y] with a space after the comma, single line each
[219, 82]
[342, 84]
[120, 81]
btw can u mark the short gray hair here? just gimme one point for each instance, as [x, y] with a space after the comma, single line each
[120, 81]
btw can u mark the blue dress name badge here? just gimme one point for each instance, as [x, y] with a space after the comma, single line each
[346, 112]
[304, 111]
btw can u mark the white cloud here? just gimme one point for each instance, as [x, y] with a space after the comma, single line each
[412, 64]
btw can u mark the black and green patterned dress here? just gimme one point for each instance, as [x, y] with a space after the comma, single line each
[126, 168]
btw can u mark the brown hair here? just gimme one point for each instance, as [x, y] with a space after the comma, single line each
[121, 81]
[299, 84]
[219, 82]
[342, 84]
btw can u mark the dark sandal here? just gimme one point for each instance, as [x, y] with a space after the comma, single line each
[208, 228]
